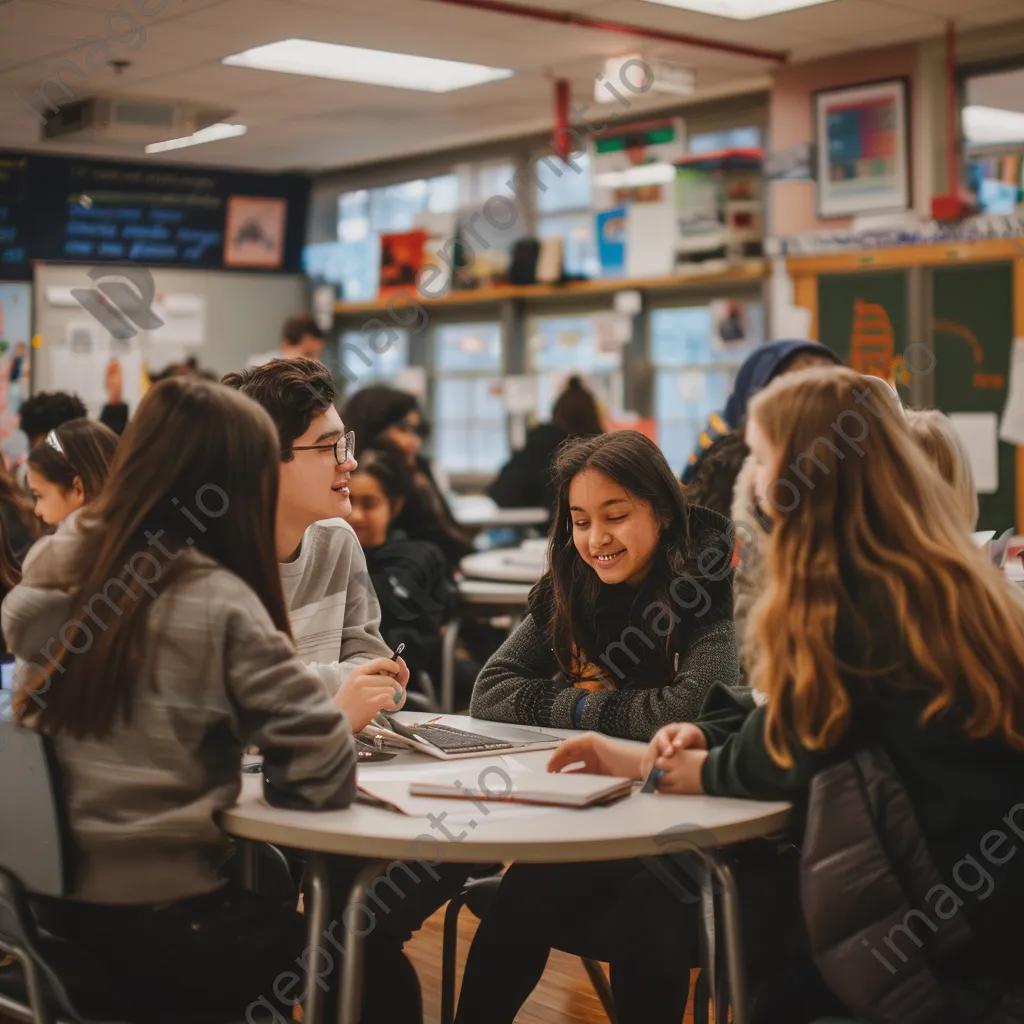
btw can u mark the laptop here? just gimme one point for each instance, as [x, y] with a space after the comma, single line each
[448, 743]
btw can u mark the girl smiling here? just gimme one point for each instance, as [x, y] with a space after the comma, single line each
[632, 624]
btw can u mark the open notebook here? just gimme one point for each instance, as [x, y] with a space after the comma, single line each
[553, 790]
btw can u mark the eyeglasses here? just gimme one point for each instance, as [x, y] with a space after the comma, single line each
[344, 448]
[54, 442]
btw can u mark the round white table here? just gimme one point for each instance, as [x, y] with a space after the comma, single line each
[506, 565]
[641, 825]
[477, 511]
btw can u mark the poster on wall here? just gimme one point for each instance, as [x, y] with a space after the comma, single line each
[254, 233]
[862, 143]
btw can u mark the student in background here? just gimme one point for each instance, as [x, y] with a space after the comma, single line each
[20, 524]
[525, 480]
[69, 467]
[150, 717]
[410, 577]
[39, 415]
[380, 414]
[935, 433]
[761, 367]
[881, 626]
[332, 610]
[714, 480]
[301, 338]
[625, 633]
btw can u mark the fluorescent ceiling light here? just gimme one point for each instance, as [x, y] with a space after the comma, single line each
[374, 67]
[992, 124]
[214, 133]
[740, 10]
[635, 177]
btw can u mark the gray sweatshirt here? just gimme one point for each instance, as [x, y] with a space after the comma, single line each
[143, 802]
[332, 608]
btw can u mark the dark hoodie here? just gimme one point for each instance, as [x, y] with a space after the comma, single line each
[758, 370]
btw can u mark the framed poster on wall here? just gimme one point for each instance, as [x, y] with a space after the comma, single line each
[862, 139]
[254, 234]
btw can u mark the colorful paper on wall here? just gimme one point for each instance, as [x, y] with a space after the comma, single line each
[611, 241]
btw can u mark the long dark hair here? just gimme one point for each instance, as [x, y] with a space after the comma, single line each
[635, 463]
[576, 411]
[14, 498]
[80, 448]
[388, 467]
[372, 410]
[196, 468]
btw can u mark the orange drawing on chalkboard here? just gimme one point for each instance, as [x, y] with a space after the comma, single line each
[979, 380]
[873, 344]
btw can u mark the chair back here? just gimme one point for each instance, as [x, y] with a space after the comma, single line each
[32, 834]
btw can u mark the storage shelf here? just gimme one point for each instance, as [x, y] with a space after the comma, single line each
[748, 270]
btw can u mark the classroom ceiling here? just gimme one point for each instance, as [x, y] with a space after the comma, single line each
[300, 123]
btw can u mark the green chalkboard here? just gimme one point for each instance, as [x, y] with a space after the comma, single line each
[972, 337]
[863, 317]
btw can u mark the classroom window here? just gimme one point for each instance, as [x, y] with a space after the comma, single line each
[693, 373]
[470, 423]
[992, 122]
[560, 346]
[354, 261]
[564, 211]
[360, 364]
[731, 138]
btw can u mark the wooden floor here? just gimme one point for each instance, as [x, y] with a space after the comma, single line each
[564, 996]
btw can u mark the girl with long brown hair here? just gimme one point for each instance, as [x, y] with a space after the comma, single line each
[628, 630]
[882, 625]
[154, 648]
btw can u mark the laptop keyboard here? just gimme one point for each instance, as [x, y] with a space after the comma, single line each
[453, 741]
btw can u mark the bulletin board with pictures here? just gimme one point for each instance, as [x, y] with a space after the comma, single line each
[862, 136]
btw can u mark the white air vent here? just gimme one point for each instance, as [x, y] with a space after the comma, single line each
[137, 120]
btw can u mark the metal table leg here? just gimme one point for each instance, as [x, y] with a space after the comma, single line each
[448, 644]
[350, 999]
[732, 938]
[316, 925]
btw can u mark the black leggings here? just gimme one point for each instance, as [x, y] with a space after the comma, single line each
[642, 922]
[618, 912]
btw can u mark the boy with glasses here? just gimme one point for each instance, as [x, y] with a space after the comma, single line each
[332, 609]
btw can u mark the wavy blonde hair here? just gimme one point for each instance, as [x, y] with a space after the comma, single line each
[866, 513]
[935, 433]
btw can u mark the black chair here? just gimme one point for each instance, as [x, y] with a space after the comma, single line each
[478, 895]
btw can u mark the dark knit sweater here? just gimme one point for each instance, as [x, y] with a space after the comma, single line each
[523, 683]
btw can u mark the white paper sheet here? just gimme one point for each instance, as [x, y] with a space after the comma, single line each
[651, 239]
[1012, 427]
[979, 433]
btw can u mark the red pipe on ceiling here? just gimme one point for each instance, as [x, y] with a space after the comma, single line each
[575, 20]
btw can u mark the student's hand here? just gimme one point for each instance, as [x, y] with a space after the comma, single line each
[371, 688]
[673, 737]
[601, 755]
[682, 772]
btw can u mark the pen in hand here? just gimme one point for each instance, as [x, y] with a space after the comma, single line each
[652, 781]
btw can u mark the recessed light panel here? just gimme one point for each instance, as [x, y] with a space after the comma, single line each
[372, 67]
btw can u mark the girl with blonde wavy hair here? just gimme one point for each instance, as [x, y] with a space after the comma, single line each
[881, 624]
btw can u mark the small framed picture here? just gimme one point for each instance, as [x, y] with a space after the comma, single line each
[254, 235]
[862, 136]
